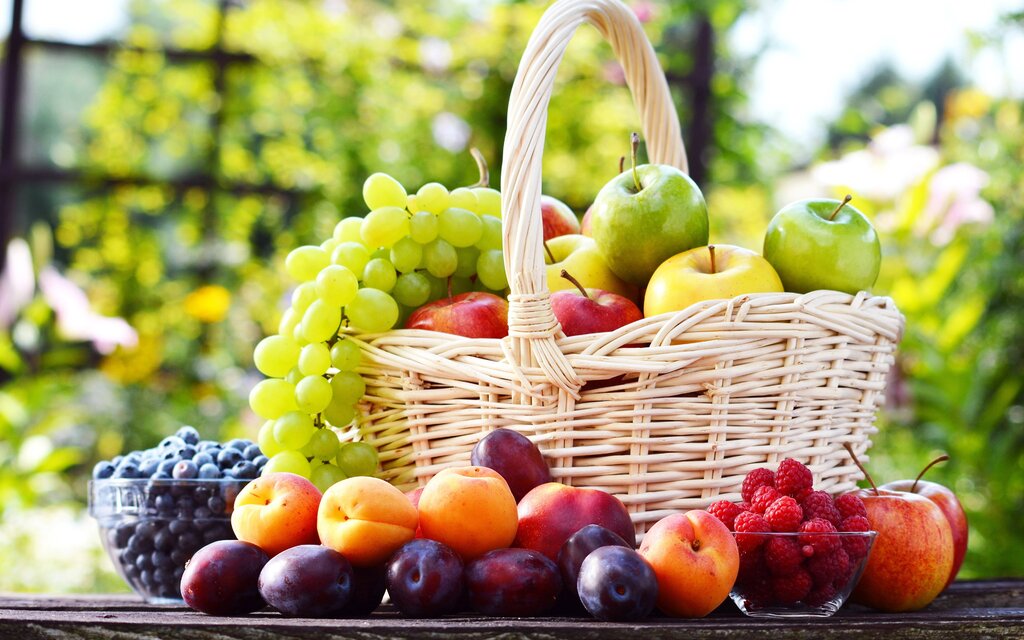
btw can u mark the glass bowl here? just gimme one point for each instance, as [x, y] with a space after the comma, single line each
[785, 575]
[151, 527]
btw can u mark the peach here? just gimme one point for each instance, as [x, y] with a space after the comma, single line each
[365, 519]
[470, 509]
[552, 512]
[276, 512]
[695, 559]
[414, 498]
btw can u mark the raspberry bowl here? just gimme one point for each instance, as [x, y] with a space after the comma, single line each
[798, 574]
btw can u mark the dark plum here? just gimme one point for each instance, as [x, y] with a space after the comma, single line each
[308, 581]
[513, 582]
[580, 545]
[515, 458]
[616, 583]
[368, 587]
[222, 578]
[425, 579]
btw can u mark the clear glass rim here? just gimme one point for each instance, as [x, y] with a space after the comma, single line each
[790, 534]
[129, 482]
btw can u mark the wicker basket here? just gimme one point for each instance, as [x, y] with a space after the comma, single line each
[668, 413]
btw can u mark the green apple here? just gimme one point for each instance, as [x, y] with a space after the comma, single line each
[646, 215]
[823, 244]
[580, 256]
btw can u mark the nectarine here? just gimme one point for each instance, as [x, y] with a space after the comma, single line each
[470, 509]
[365, 519]
[276, 512]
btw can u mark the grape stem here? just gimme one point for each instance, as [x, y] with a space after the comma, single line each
[565, 274]
[481, 165]
[841, 205]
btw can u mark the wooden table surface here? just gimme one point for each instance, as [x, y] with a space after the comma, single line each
[970, 609]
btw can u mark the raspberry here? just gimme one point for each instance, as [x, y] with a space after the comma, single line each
[756, 479]
[818, 504]
[818, 534]
[820, 595]
[782, 555]
[752, 565]
[763, 497]
[748, 524]
[792, 588]
[744, 506]
[784, 515]
[792, 477]
[829, 567]
[801, 494]
[756, 592]
[849, 504]
[726, 512]
[856, 546]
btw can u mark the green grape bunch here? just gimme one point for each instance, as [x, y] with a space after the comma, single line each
[368, 277]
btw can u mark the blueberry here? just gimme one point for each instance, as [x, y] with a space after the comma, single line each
[189, 542]
[116, 460]
[202, 458]
[172, 442]
[165, 504]
[126, 469]
[209, 471]
[237, 444]
[252, 452]
[161, 560]
[143, 562]
[140, 544]
[147, 529]
[202, 513]
[187, 452]
[149, 467]
[260, 462]
[216, 504]
[228, 458]
[185, 469]
[208, 444]
[122, 533]
[244, 470]
[162, 576]
[171, 454]
[179, 557]
[103, 470]
[167, 466]
[178, 527]
[165, 539]
[188, 435]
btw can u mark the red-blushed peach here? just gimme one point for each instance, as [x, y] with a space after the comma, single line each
[470, 509]
[552, 512]
[696, 561]
[276, 512]
[365, 519]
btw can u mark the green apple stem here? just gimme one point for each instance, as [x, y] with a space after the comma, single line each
[931, 464]
[622, 164]
[548, 250]
[634, 144]
[849, 449]
[481, 165]
[842, 204]
[711, 250]
[568, 276]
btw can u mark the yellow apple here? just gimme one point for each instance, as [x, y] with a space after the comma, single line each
[708, 273]
[580, 256]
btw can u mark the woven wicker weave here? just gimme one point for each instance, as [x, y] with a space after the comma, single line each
[668, 413]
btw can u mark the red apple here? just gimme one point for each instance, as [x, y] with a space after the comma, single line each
[947, 502]
[585, 222]
[695, 559]
[475, 314]
[582, 310]
[559, 220]
[552, 512]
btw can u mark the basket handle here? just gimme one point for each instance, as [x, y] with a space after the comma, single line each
[532, 325]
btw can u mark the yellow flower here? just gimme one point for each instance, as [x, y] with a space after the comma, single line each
[209, 303]
[967, 103]
[130, 365]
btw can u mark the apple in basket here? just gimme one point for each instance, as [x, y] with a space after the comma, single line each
[474, 314]
[823, 244]
[580, 256]
[583, 310]
[708, 273]
[558, 218]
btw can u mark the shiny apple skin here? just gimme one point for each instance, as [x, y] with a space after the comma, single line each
[949, 504]
[558, 219]
[601, 311]
[474, 314]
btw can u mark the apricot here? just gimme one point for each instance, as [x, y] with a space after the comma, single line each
[276, 512]
[366, 520]
[470, 509]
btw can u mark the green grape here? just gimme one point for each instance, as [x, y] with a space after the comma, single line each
[461, 285]
[303, 296]
[299, 334]
[305, 262]
[293, 430]
[268, 445]
[348, 387]
[384, 253]
[272, 398]
[274, 356]
[288, 462]
[406, 255]
[313, 394]
[423, 227]
[323, 444]
[351, 255]
[348, 230]
[491, 236]
[320, 322]
[358, 459]
[440, 259]
[411, 289]
[289, 320]
[411, 204]
[490, 269]
[379, 274]
[372, 311]
[314, 359]
[490, 201]
[294, 376]
[403, 314]
[384, 227]
[466, 267]
[381, 190]
[433, 197]
[326, 475]
[336, 285]
[438, 288]
[459, 227]
[464, 198]
[345, 355]
[329, 245]
[339, 414]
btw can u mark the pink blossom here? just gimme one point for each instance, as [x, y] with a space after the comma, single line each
[76, 319]
[645, 11]
[17, 282]
[954, 199]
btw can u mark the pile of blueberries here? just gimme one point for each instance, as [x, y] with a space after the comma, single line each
[154, 525]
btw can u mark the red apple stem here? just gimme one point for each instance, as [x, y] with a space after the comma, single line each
[548, 250]
[481, 165]
[634, 145]
[849, 449]
[568, 276]
[842, 204]
[711, 250]
[931, 464]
